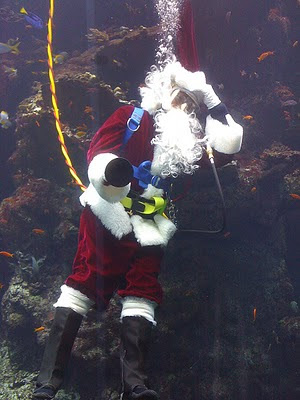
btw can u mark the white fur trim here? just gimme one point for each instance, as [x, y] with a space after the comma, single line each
[165, 226]
[138, 307]
[210, 98]
[96, 176]
[152, 191]
[146, 231]
[74, 299]
[224, 138]
[112, 215]
[152, 233]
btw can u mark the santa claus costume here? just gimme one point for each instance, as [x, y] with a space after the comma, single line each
[121, 246]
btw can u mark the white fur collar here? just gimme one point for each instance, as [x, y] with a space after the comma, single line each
[112, 215]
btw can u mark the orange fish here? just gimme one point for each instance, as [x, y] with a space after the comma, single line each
[248, 117]
[295, 196]
[253, 189]
[38, 231]
[88, 109]
[37, 123]
[287, 115]
[40, 329]
[265, 55]
[82, 127]
[1, 285]
[254, 314]
[6, 254]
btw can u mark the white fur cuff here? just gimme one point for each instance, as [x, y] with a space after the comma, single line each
[138, 307]
[74, 299]
[226, 139]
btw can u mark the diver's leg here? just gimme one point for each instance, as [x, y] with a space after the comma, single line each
[70, 309]
[140, 298]
[135, 340]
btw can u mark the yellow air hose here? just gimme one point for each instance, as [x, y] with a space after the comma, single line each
[54, 101]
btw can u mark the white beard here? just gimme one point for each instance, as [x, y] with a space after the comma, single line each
[177, 144]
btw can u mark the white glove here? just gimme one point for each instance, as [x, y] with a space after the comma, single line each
[226, 139]
[196, 82]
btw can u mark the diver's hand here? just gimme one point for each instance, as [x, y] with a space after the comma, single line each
[118, 172]
[110, 176]
[196, 82]
[191, 81]
[225, 138]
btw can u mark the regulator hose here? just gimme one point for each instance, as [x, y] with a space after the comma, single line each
[209, 152]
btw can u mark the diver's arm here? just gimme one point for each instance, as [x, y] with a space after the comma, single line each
[223, 133]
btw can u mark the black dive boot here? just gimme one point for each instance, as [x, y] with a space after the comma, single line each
[57, 352]
[135, 339]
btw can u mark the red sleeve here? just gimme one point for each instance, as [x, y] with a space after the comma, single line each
[109, 138]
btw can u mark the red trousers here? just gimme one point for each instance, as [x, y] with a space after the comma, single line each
[104, 264]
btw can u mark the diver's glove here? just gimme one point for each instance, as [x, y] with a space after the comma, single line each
[196, 82]
[225, 138]
[110, 176]
[118, 172]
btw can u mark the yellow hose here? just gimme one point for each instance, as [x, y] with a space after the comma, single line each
[54, 100]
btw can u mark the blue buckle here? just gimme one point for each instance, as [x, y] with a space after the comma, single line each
[155, 181]
[133, 121]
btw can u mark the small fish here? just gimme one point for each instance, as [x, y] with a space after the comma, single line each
[220, 86]
[4, 120]
[253, 189]
[243, 72]
[265, 55]
[32, 19]
[227, 234]
[287, 115]
[88, 109]
[295, 196]
[6, 254]
[254, 314]
[37, 123]
[294, 307]
[61, 57]
[254, 75]
[295, 43]
[80, 134]
[10, 72]
[8, 48]
[228, 16]
[82, 127]
[117, 63]
[70, 104]
[1, 285]
[38, 231]
[40, 329]
[248, 117]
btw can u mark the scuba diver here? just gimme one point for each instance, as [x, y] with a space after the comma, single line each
[124, 229]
